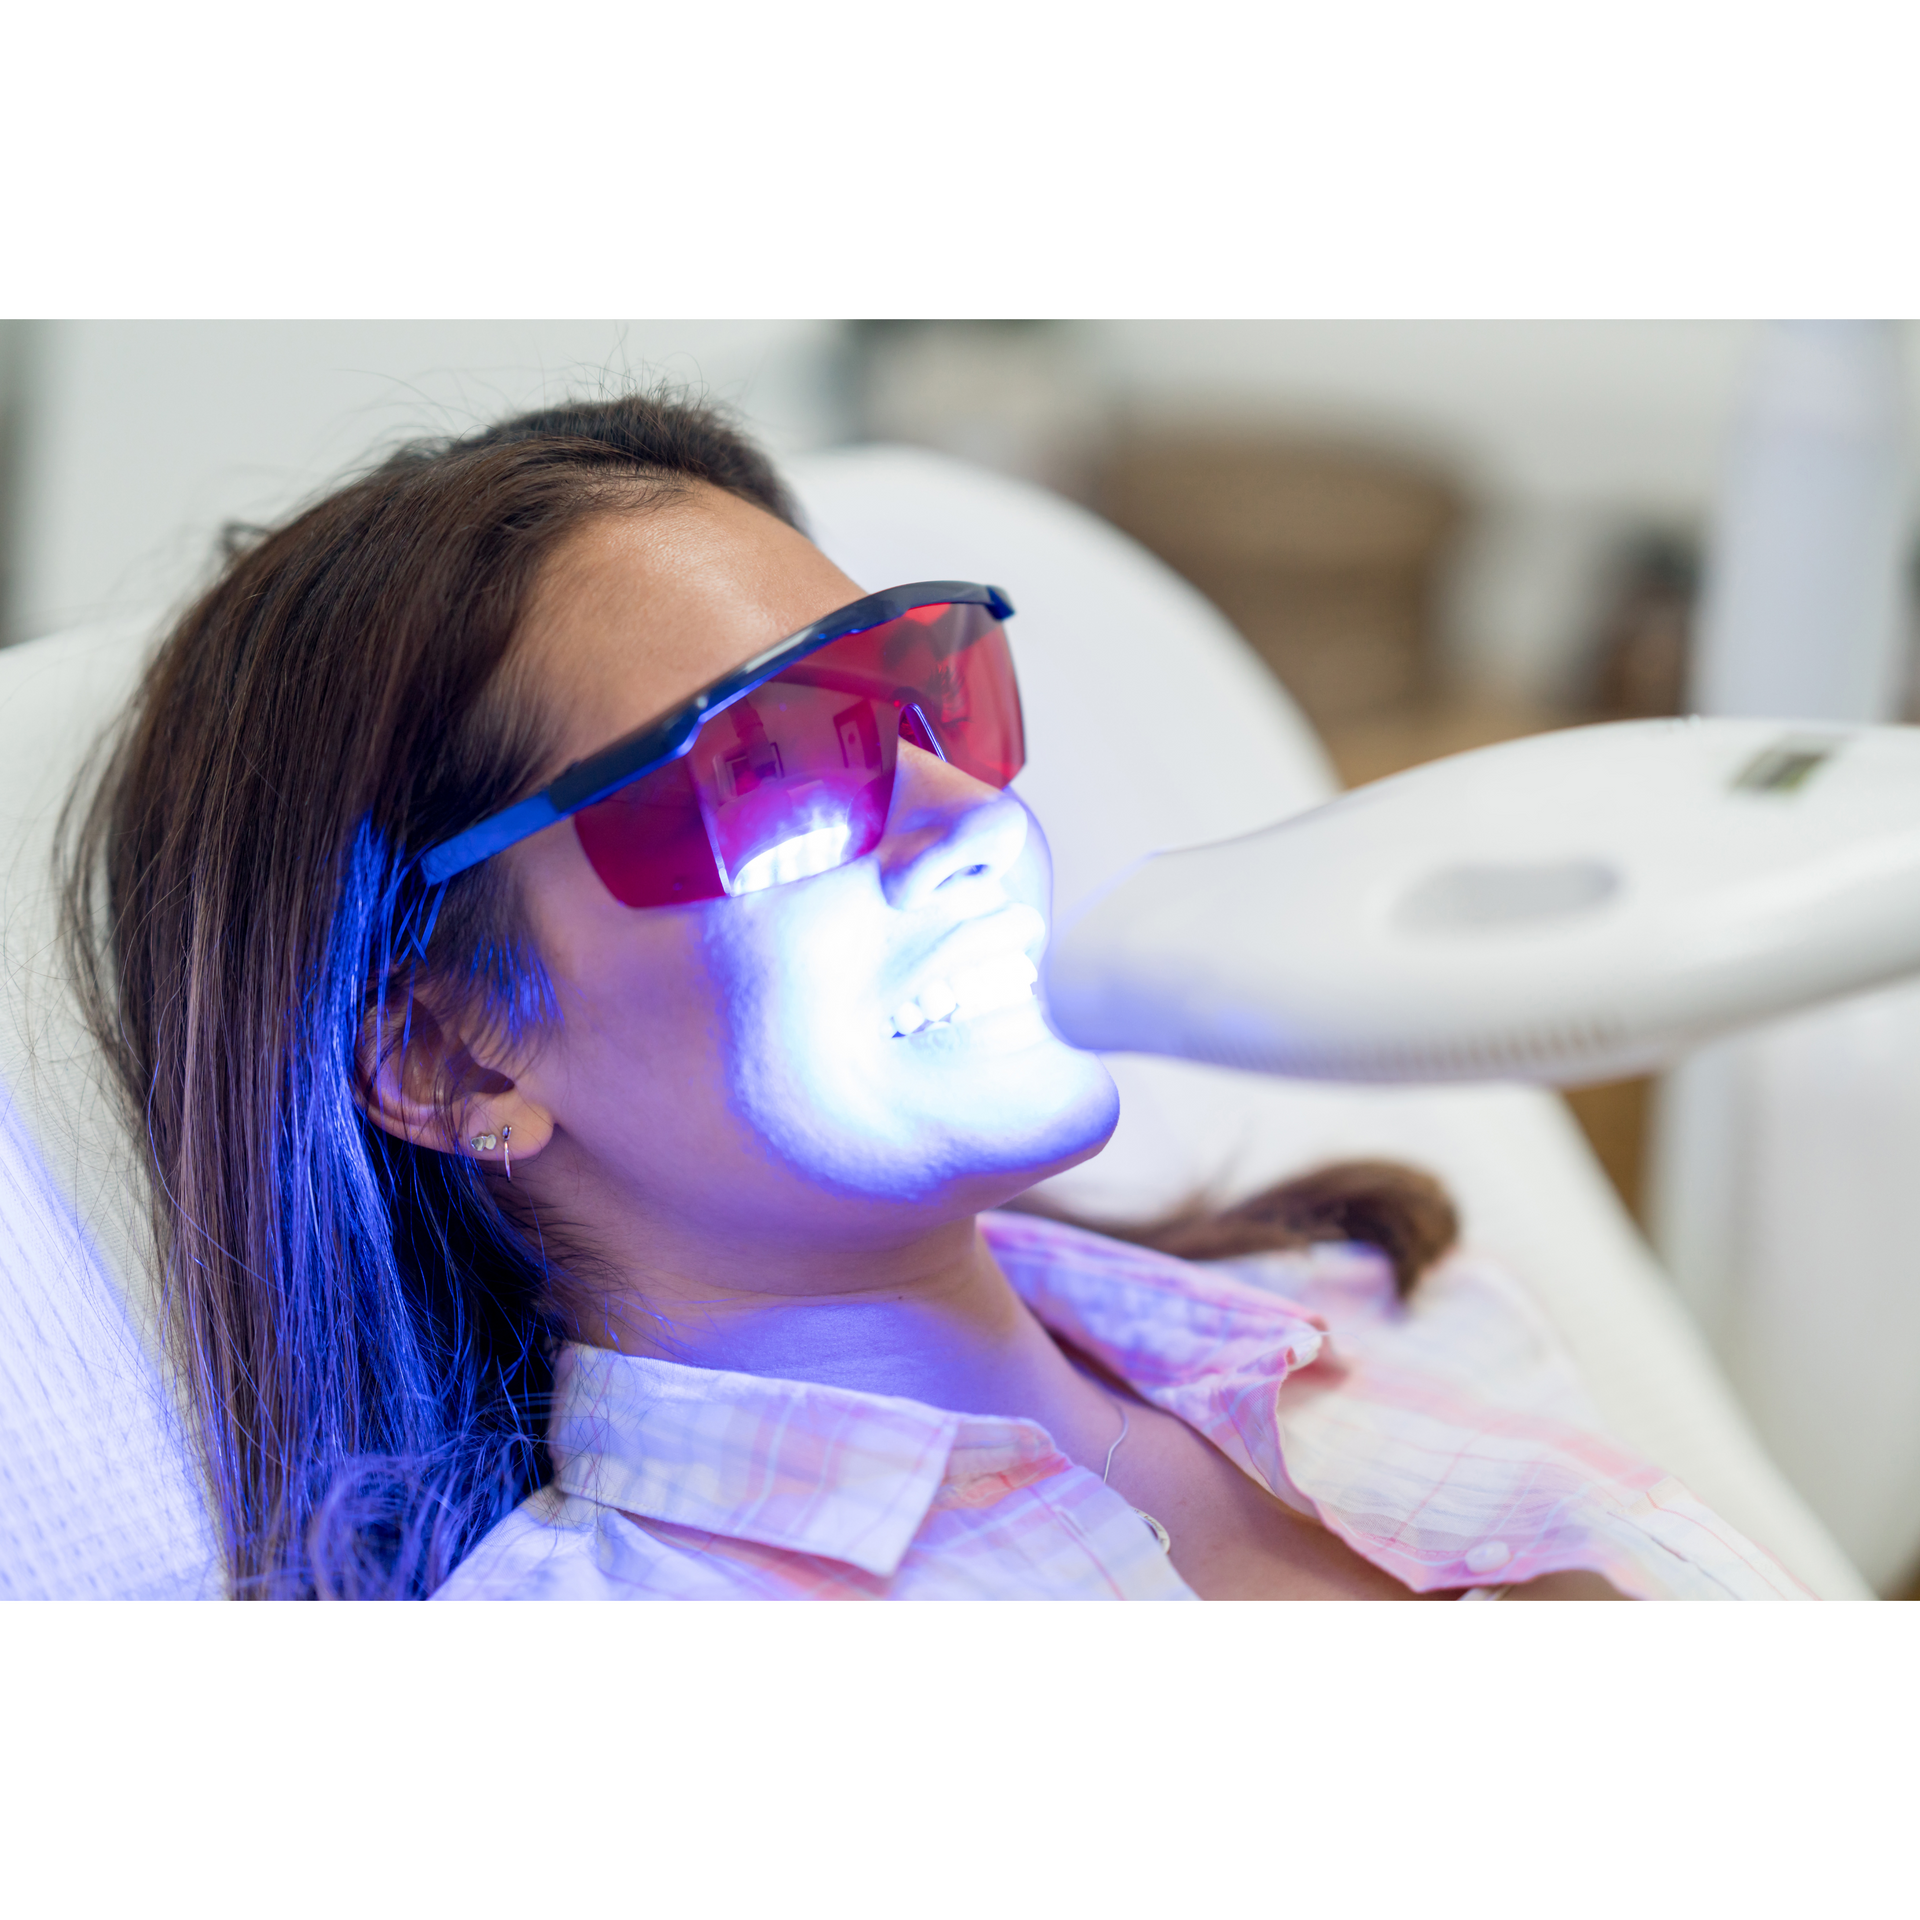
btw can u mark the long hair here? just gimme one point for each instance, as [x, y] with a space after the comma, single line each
[365, 1339]
[363, 1336]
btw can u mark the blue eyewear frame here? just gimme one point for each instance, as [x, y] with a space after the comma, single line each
[659, 741]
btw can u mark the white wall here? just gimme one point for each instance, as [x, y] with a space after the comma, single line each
[141, 438]
[1568, 433]
[1555, 409]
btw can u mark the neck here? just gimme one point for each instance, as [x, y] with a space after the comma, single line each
[931, 1319]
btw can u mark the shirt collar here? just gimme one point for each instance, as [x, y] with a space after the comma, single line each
[852, 1476]
[1196, 1341]
[786, 1463]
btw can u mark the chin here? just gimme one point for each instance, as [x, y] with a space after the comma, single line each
[945, 1119]
[1022, 1142]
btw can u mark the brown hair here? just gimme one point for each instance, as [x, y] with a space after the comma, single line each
[1407, 1214]
[364, 1336]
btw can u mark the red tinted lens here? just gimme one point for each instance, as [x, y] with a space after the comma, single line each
[648, 842]
[953, 664]
[793, 781]
[796, 777]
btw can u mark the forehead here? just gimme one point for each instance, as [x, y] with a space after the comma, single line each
[640, 608]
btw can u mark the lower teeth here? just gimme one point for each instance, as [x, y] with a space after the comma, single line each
[895, 1032]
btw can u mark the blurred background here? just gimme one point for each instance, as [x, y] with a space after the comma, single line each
[1436, 534]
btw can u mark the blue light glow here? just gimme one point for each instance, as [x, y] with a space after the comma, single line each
[796, 858]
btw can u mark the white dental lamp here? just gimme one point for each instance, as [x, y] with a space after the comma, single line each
[1572, 907]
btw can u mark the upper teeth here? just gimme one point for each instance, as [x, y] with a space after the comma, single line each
[1001, 982]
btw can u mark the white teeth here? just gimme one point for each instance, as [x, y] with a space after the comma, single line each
[1003, 981]
[937, 1000]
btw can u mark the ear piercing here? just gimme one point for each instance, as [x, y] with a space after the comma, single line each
[486, 1142]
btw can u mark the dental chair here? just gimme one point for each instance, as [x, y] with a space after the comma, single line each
[1151, 725]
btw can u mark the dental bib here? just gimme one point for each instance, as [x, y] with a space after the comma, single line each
[1572, 907]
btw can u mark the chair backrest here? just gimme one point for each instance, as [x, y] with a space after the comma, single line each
[99, 1497]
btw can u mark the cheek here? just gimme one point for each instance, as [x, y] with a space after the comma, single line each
[643, 1029]
[793, 970]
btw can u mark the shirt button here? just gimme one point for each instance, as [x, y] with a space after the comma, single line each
[1488, 1555]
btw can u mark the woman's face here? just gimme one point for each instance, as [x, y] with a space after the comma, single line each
[780, 1061]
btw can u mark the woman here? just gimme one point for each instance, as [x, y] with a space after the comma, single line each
[581, 1194]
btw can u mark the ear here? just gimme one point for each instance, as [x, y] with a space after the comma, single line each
[420, 1080]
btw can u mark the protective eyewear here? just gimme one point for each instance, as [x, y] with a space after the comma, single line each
[784, 767]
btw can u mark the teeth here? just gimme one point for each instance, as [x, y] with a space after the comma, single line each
[938, 1000]
[1000, 982]
[1004, 981]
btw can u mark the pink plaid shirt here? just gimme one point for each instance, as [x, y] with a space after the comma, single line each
[1447, 1442]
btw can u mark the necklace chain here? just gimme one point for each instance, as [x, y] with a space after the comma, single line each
[1125, 1423]
[1126, 1426]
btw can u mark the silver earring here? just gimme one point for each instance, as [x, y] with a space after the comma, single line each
[506, 1136]
[483, 1143]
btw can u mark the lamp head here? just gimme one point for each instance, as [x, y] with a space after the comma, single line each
[1572, 907]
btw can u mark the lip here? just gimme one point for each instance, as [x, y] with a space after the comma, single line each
[1014, 928]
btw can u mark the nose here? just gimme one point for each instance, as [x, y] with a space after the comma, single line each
[945, 831]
